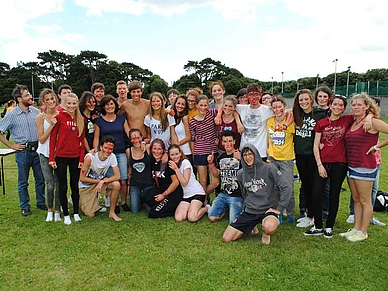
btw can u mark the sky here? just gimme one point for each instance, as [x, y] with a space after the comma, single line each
[260, 38]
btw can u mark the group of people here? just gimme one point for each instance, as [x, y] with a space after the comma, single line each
[169, 153]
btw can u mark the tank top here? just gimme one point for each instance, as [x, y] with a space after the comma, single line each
[43, 148]
[141, 171]
[181, 134]
[357, 143]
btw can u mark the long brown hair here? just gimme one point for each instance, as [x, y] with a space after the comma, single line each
[162, 113]
[297, 111]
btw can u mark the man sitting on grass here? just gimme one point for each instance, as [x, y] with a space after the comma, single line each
[93, 181]
[258, 180]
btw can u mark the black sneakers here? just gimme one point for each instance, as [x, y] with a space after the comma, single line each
[328, 233]
[314, 231]
[26, 212]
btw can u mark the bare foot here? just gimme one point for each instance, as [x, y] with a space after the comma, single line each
[255, 230]
[266, 239]
[114, 217]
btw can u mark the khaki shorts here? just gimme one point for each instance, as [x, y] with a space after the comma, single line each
[88, 199]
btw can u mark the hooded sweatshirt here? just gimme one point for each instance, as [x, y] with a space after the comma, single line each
[258, 185]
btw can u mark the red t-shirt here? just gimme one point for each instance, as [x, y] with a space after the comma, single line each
[332, 138]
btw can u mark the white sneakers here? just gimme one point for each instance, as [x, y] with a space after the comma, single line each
[373, 221]
[305, 222]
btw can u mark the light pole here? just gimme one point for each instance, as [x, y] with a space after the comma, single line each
[272, 84]
[282, 82]
[316, 87]
[335, 74]
[347, 83]
[32, 85]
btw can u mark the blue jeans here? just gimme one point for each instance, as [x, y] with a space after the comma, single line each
[26, 160]
[223, 202]
[375, 188]
[52, 184]
[138, 197]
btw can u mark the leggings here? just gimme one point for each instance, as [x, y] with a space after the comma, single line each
[62, 164]
[307, 167]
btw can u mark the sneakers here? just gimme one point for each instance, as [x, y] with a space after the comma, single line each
[125, 207]
[377, 222]
[350, 219]
[358, 236]
[291, 219]
[26, 212]
[301, 219]
[102, 209]
[350, 232]
[107, 201]
[306, 222]
[209, 208]
[280, 219]
[314, 231]
[328, 232]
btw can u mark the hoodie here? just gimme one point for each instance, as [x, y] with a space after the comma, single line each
[258, 185]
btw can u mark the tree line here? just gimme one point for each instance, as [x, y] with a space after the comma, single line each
[54, 68]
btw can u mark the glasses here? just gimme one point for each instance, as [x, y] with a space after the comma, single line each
[248, 154]
[191, 101]
[254, 94]
[28, 95]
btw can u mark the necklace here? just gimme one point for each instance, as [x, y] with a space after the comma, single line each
[357, 122]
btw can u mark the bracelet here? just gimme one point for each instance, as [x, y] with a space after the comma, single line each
[376, 148]
[165, 194]
[319, 165]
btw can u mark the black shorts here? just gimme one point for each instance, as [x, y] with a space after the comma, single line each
[245, 222]
[195, 197]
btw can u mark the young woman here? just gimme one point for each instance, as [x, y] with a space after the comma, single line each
[67, 151]
[110, 123]
[362, 167]
[228, 122]
[322, 96]
[203, 135]
[45, 122]
[158, 122]
[169, 193]
[305, 118]
[330, 157]
[87, 106]
[190, 208]
[140, 171]
[192, 96]
[217, 90]
[281, 146]
[180, 132]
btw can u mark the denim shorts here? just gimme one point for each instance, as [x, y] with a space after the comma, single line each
[224, 202]
[122, 163]
[245, 222]
[364, 174]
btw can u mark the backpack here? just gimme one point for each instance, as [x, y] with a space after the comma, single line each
[381, 202]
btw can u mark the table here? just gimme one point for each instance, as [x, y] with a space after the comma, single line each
[3, 153]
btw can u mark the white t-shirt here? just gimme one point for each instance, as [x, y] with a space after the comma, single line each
[193, 187]
[98, 168]
[156, 128]
[255, 124]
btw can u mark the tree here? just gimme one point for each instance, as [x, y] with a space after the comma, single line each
[156, 84]
[206, 70]
[186, 82]
[133, 72]
[92, 60]
[56, 65]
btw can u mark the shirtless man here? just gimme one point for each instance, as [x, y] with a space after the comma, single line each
[122, 92]
[136, 109]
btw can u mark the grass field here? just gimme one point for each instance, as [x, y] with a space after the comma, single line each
[143, 254]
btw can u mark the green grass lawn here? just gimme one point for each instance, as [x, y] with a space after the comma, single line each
[143, 254]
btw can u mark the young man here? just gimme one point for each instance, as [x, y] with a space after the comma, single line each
[122, 92]
[254, 118]
[226, 169]
[63, 90]
[172, 94]
[136, 109]
[93, 179]
[258, 180]
[21, 123]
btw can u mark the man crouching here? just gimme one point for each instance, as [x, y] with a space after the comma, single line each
[93, 181]
[258, 180]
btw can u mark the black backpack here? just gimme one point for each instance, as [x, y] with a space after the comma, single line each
[381, 202]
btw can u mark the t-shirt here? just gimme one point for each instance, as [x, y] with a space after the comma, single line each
[255, 124]
[280, 143]
[156, 128]
[228, 166]
[98, 168]
[193, 187]
[304, 136]
[232, 126]
[332, 138]
[162, 175]
[203, 133]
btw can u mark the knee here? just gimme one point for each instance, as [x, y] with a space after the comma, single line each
[179, 218]
[192, 218]
[269, 229]
[226, 238]
[91, 215]
[213, 218]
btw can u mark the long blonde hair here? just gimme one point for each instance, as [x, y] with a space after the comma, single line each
[162, 113]
[77, 114]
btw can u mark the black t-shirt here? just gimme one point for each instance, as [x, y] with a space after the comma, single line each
[229, 166]
[162, 175]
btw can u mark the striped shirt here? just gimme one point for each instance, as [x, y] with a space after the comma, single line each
[203, 133]
[21, 124]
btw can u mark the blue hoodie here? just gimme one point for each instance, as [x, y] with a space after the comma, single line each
[258, 185]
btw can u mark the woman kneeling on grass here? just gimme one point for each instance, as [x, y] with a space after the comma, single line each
[258, 182]
[190, 207]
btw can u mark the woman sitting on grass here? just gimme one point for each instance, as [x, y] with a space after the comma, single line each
[191, 207]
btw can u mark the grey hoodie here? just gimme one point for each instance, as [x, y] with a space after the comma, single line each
[258, 185]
